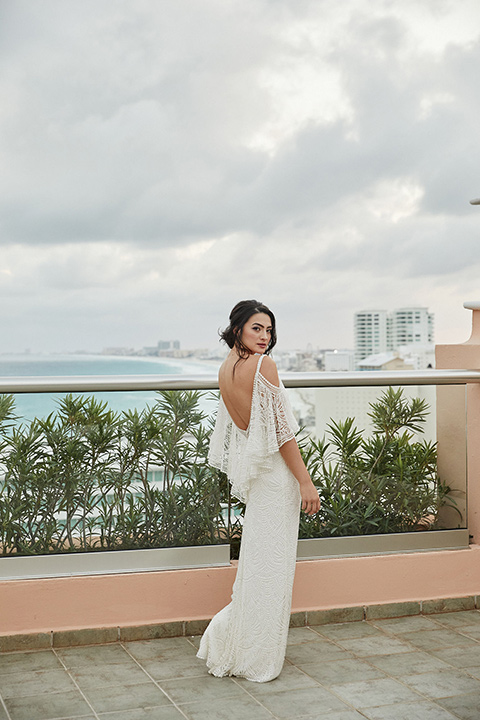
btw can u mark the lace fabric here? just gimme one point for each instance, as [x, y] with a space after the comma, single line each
[248, 637]
[243, 454]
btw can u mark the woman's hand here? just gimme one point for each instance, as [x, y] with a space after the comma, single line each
[291, 454]
[310, 499]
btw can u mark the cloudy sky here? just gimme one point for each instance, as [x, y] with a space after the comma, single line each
[162, 159]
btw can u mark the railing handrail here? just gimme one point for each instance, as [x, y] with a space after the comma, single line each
[117, 383]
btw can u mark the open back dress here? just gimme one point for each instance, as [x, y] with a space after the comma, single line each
[248, 637]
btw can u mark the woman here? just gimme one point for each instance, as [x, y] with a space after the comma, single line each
[254, 444]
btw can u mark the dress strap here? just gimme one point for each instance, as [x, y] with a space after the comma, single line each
[257, 371]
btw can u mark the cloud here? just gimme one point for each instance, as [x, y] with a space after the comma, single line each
[167, 156]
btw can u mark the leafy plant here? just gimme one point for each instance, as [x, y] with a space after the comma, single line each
[81, 479]
[380, 484]
[86, 478]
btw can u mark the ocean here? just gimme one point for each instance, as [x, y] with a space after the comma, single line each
[30, 405]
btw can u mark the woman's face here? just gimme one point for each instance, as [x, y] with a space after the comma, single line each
[257, 332]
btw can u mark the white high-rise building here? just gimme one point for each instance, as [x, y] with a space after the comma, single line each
[371, 333]
[377, 331]
[411, 326]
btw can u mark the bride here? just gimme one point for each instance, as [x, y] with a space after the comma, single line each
[253, 442]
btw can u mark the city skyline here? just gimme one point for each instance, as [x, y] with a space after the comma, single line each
[164, 160]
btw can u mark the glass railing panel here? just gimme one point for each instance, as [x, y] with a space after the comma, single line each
[385, 460]
[90, 472]
[138, 477]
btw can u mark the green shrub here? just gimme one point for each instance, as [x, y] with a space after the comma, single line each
[81, 479]
[386, 483]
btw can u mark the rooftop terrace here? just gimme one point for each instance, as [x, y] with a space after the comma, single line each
[405, 668]
[120, 644]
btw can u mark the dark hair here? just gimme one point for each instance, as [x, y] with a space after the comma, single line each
[238, 317]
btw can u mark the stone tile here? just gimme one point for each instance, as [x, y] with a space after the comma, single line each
[407, 663]
[238, 708]
[89, 636]
[409, 711]
[322, 651]
[315, 701]
[291, 678]
[442, 683]
[391, 610]
[3, 714]
[341, 671]
[448, 605]
[35, 641]
[94, 655]
[29, 661]
[195, 641]
[160, 649]
[156, 713]
[335, 615]
[378, 645]
[298, 619]
[98, 676]
[20, 684]
[199, 689]
[297, 636]
[348, 630]
[471, 631]
[151, 632]
[48, 707]
[372, 693]
[175, 667]
[460, 657]
[126, 697]
[473, 671]
[196, 627]
[341, 715]
[399, 626]
[465, 707]
[433, 639]
[457, 619]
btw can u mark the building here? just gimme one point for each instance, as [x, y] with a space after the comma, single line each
[339, 361]
[168, 345]
[411, 326]
[371, 333]
[384, 361]
[378, 331]
[340, 403]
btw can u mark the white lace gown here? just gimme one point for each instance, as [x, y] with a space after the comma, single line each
[248, 637]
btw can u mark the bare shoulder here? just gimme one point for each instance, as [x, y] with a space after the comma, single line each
[237, 373]
[269, 370]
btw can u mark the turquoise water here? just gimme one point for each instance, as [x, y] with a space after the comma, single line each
[30, 405]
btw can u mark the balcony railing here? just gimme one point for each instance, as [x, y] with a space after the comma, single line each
[118, 383]
[453, 537]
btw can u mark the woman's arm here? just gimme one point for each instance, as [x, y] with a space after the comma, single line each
[291, 454]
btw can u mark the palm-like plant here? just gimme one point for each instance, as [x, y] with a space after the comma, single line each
[384, 483]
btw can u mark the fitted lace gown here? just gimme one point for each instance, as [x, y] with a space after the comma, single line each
[248, 637]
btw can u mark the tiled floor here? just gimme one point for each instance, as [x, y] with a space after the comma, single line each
[412, 668]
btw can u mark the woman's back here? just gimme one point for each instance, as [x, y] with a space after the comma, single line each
[237, 387]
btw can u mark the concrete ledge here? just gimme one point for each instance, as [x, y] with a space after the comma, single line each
[376, 612]
[448, 605]
[335, 615]
[328, 590]
[102, 636]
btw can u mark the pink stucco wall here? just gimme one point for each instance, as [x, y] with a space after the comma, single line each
[29, 606]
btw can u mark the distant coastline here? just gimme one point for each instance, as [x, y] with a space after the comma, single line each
[30, 405]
